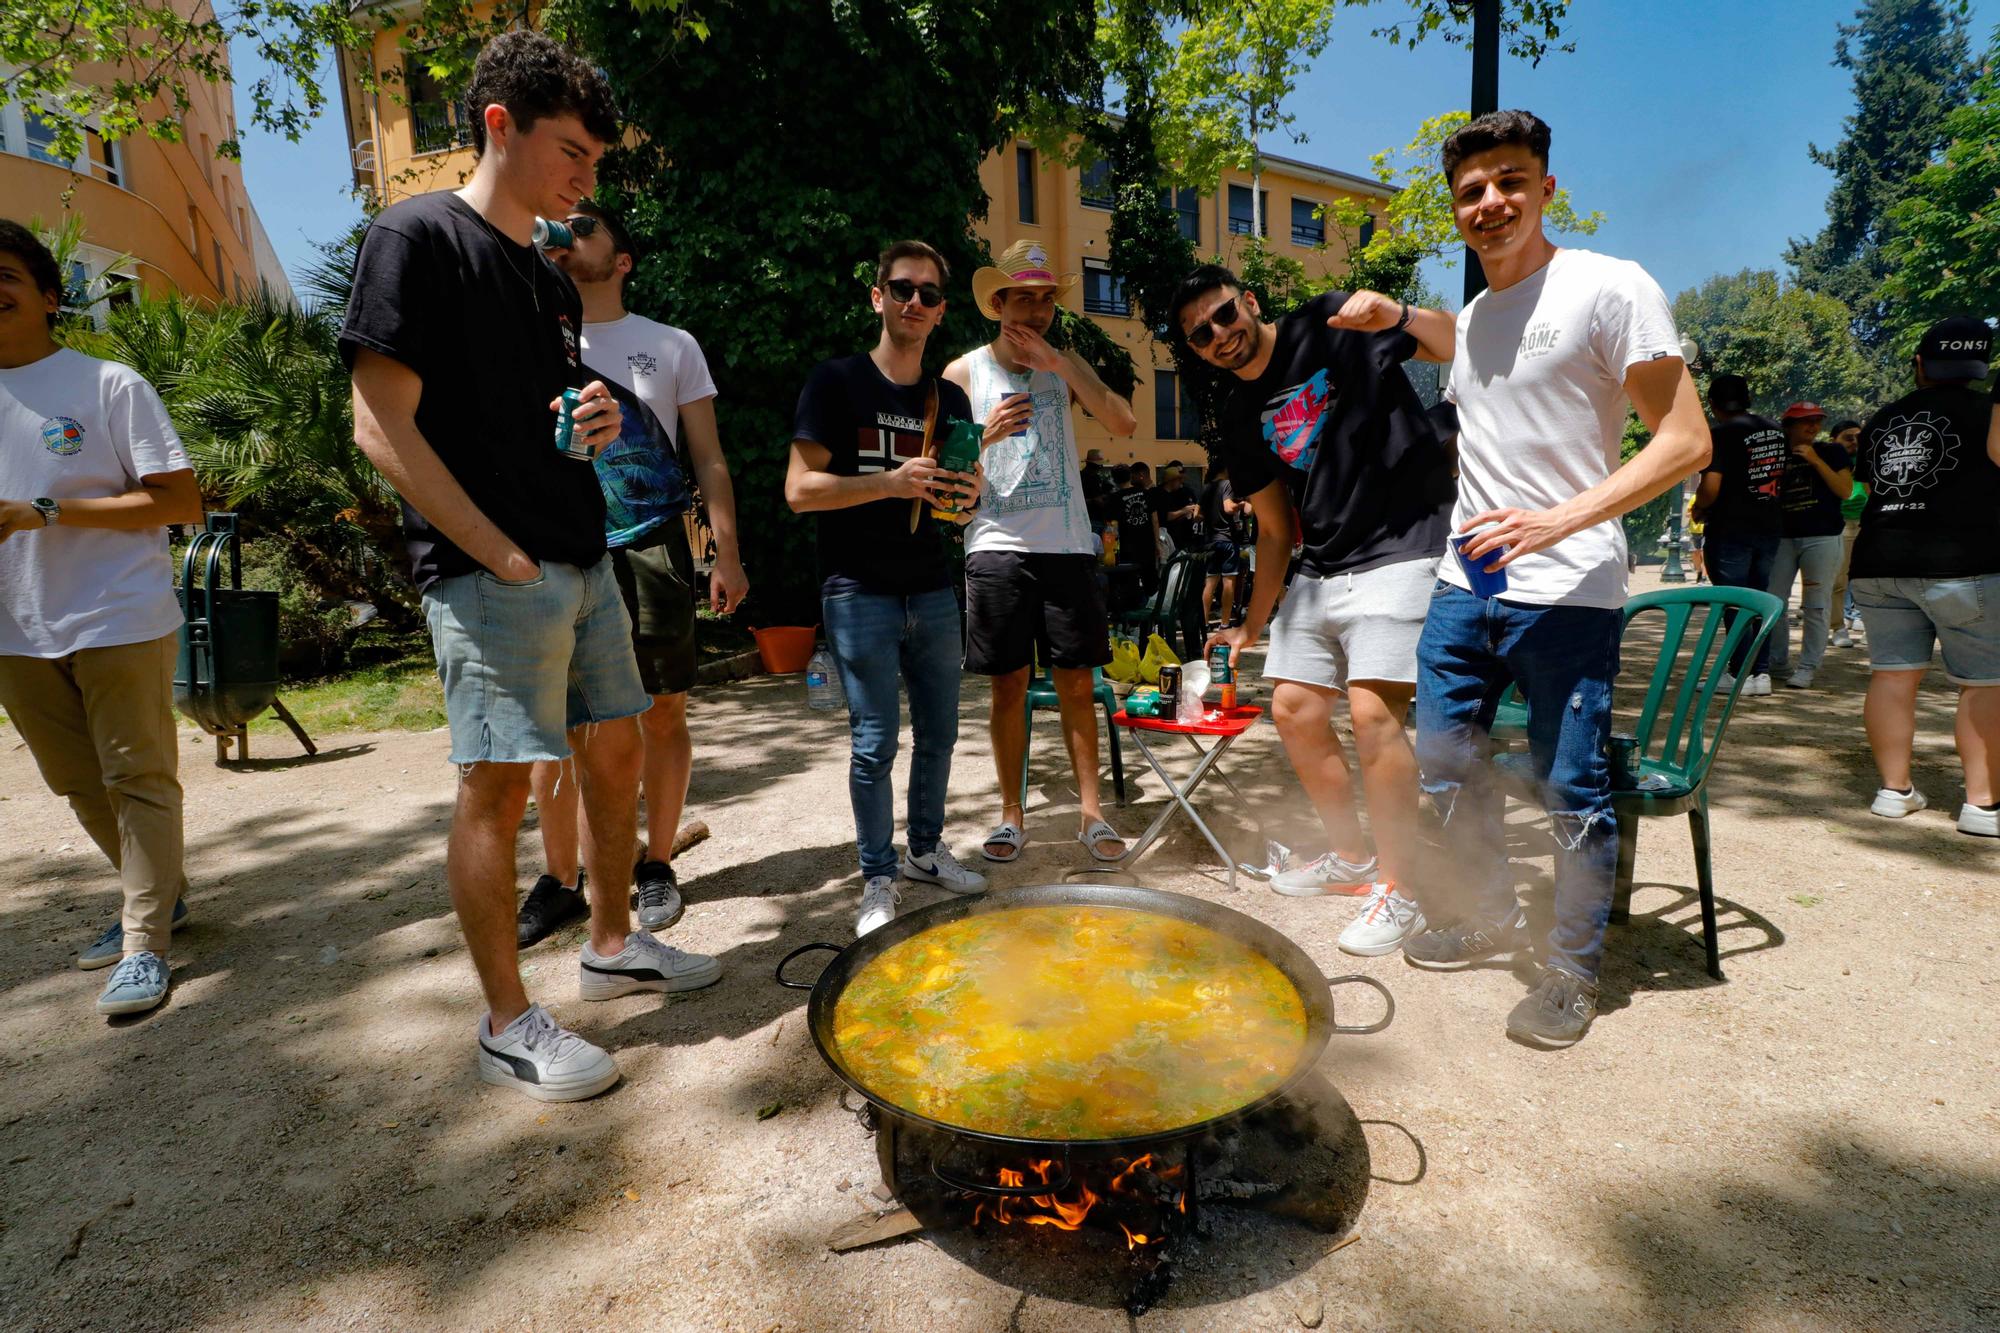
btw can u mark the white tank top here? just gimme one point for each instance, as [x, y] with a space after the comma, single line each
[1034, 492]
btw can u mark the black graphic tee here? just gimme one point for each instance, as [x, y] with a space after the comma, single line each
[1749, 453]
[1933, 494]
[1336, 420]
[1133, 510]
[1811, 510]
[1186, 532]
[491, 329]
[867, 423]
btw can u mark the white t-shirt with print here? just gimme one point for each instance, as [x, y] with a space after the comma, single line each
[73, 427]
[1539, 379]
[1034, 485]
[661, 364]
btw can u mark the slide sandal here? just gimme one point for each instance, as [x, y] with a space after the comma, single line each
[1099, 831]
[1007, 835]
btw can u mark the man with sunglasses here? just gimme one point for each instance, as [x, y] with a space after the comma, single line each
[858, 463]
[1322, 416]
[1030, 555]
[665, 396]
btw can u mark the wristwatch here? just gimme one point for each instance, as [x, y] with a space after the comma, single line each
[48, 509]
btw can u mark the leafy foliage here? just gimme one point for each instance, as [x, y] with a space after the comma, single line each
[1792, 344]
[1531, 28]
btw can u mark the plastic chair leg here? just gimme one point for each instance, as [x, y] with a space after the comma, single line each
[1117, 759]
[1705, 878]
[1628, 855]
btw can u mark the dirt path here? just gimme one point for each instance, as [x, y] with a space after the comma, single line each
[299, 1139]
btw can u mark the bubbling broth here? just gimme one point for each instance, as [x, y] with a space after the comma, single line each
[1070, 1022]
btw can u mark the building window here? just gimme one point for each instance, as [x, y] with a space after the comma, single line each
[1174, 415]
[1024, 181]
[41, 137]
[216, 242]
[437, 123]
[1308, 226]
[207, 161]
[1239, 210]
[1367, 230]
[1094, 188]
[242, 226]
[1185, 205]
[102, 155]
[1103, 293]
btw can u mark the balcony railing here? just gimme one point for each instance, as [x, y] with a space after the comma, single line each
[437, 126]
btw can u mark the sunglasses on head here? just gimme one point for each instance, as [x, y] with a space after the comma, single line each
[902, 289]
[1221, 317]
[581, 224]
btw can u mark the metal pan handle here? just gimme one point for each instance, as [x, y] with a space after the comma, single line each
[1056, 1186]
[783, 963]
[1388, 1000]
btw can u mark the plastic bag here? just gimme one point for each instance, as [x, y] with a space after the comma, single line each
[1124, 664]
[1156, 656]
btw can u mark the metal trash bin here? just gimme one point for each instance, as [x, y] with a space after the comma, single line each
[227, 671]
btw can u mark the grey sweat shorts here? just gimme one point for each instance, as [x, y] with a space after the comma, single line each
[1352, 626]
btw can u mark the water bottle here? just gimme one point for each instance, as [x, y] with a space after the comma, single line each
[823, 692]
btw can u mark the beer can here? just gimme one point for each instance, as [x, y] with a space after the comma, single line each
[548, 234]
[566, 441]
[1170, 689]
[1224, 675]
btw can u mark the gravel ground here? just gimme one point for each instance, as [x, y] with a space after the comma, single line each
[298, 1139]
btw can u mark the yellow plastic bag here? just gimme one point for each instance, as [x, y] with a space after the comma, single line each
[1124, 662]
[1157, 655]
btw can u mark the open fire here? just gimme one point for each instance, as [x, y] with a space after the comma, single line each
[1137, 1180]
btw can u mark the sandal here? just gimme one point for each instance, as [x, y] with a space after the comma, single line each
[1007, 835]
[1098, 832]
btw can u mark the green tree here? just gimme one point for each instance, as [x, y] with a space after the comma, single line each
[1792, 344]
[1943, 257]
[1910, 67]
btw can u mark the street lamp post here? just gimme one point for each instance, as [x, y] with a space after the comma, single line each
[1676, 538]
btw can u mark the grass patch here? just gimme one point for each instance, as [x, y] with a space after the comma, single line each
[400, 695]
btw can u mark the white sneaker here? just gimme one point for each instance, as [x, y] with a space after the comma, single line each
[643, 964]
[879, 897]
[937, 867]
[1386, 920]
[1893, 804]
[1979, 823]
[1843, 638]
[1757, 684]
[534, 1055]
[1799, 680]
[1327, 873]
[1726, 684]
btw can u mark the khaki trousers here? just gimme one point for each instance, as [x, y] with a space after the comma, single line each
[100, 724]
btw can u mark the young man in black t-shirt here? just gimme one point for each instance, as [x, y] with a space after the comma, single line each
[1818, 475]
[1138, 524]
[1223, 522]
[859, 464]
[1323, 417]
[1178, 508]
[1927, 567]
[461, 338]
[1739, 503]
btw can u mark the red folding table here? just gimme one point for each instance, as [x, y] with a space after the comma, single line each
[1224, 726]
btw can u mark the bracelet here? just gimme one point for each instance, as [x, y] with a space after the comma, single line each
[1404, 322]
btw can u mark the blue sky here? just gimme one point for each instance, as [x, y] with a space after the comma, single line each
[1686, 123]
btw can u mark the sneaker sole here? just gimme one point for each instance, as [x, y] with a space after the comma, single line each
[138, 1006]
[1904, 813]
[1979, 832]
[646, 925]
[493, 1070]
[910, 872]
[1460, 964]
[610, 985]
[1356, 889]
[1541, 1042]
[1377, 950]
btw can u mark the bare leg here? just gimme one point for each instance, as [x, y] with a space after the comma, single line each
[479, 866]
[669, 763]
[1303, 715]
[1209, 586]
[1979, 742]
[1388, 772]
[1008, 719]
[1076, 698]
[553, 782]
[1891, 718]
[607, 760]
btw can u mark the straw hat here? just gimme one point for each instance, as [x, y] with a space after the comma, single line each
[1022, 264]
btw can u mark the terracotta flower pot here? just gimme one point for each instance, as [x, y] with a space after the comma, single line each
[785, 649]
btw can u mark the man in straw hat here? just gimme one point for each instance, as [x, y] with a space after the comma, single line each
[1030, 554]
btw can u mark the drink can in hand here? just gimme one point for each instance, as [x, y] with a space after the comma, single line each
[1008, 400]
[548, 234]
[958, 451]
[566, 438]
[1482, 584]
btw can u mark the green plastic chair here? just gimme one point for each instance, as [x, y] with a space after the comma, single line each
[1175, 608]
[1042, 695]
[1681, 721]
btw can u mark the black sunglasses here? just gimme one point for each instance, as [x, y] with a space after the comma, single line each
[1219, 318]
[902, 289]
[582, 225]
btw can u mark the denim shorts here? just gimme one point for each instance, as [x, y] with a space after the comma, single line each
[1904, 616]
[523, 663]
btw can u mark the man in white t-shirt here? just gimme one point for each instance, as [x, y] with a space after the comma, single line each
[1544, 363]
[91, 471]
[646, 487]
[1030, 554]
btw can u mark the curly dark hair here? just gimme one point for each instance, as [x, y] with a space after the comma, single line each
[27, 247]
[534, 76]
[1496, 129]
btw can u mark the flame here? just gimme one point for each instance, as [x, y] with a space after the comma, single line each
[1069, 1214]
[1133, 1239]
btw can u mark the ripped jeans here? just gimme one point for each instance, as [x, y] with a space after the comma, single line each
[1563, 658]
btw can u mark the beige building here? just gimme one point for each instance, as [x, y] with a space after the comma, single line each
[172, 216]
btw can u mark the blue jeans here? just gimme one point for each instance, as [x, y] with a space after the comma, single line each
[877, 640]
[1563, 658]
[1815, 562]
[1743, 560]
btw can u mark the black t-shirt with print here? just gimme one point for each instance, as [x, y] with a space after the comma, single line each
[1185, 531]
[867, 423]
[1812, 510]
[1749, 452]
[491, 329]
[1933, 493]
[1335, 418]
[1219, 525]
[1132, 508]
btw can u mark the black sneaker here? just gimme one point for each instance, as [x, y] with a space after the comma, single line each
[549, 907]
[1556, 1013]
[1464, 942]
[655, 895]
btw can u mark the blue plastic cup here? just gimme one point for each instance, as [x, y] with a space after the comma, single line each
[1482, 583]
[1007, 399]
